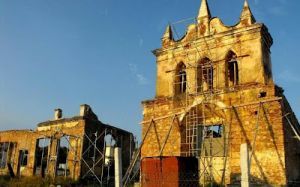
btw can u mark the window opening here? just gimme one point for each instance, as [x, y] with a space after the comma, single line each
[3, 154]
[233, 75]
[232, 70]
[109, 149]
[109, 140]
[181, 79]
[210, 140]
[41, 156]
[262, 94]
[23, 158]
[62, 156]
[182, 75]
[205, 76]
[213, 131]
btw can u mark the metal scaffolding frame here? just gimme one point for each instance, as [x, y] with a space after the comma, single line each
[204, 147]
[97, 159]
[129, 175]
[196, 120]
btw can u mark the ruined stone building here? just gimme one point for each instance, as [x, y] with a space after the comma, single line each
[214, 93]
[76, 148]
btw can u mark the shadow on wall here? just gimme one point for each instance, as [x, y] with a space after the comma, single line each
[254, 181]
[255, 158]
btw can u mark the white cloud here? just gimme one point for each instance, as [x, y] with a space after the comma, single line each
[141, 42]
[133, 68]
[141, 79]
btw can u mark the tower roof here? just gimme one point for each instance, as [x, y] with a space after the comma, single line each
[204, 11]
[247, 14]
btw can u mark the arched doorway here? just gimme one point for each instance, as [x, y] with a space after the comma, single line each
[204, 135]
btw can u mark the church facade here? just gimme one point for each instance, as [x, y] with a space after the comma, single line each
[214, 93]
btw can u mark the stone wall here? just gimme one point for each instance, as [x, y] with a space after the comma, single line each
[250, 111]
[74, 137]
[248, 119]
[58, 130]
[19, 140]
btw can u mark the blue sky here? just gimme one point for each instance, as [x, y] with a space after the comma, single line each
[63, 53]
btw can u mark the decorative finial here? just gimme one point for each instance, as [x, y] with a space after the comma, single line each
[167, 38]
[168, 33]
[204, 11]
[247, 16]
[246, 3]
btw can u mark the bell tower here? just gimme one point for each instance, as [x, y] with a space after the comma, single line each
[214, 93]
[248, 41]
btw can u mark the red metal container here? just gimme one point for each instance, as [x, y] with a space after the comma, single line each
[169, 172]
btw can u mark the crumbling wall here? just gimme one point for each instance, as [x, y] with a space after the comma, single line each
[71, 132]
[19, 140]
[63, 147]
[122, 139]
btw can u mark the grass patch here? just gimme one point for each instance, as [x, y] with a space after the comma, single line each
[6, 181]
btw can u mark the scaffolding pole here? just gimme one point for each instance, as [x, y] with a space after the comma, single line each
[292, 126]
[126, 178]
[167, 136]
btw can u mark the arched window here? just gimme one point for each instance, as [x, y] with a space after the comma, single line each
[180, 79]
[232, 75]
[205, 75]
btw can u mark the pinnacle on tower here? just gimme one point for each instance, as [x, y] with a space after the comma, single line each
[204, 11]
[247, 14]
[168, 33]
